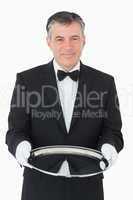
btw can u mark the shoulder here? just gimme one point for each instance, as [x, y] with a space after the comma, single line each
[34, 71]
[97, 75]
[33, 76]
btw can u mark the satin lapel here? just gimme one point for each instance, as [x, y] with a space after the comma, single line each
[53, 97]
[83, 87]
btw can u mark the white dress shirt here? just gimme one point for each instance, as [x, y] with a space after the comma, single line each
[67, 92]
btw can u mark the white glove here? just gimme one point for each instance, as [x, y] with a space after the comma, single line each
[23, 152]
[109, 153]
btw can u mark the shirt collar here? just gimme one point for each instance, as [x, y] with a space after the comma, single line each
[58, 67]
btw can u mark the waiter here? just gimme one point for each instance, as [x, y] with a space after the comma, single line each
[64, 102]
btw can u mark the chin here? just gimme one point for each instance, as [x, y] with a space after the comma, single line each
[69, 66]
[69, 63]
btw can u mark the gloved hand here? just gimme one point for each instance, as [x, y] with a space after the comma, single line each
[23, 152]
[109, 153]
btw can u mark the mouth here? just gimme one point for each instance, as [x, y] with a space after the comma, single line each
[68, 55]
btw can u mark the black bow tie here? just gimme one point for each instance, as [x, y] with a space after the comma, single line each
[73, 75]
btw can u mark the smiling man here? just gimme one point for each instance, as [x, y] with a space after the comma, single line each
[77, 93]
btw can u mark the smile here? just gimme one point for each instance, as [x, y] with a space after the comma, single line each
[68, 55]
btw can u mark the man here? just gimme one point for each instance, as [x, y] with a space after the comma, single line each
[85, 111]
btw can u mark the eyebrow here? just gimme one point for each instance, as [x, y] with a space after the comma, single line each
[73, 36]
[77, 36]
[59, 37]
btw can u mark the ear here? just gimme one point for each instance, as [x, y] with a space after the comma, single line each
[48, 41]
[84, 41]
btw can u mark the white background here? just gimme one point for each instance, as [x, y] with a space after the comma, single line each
[109, 48]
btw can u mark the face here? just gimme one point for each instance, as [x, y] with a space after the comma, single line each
[66, 42]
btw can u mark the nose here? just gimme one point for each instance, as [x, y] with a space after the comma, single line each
[67, 44]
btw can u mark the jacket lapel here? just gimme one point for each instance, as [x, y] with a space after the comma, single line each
[53, 97]
[80, 97]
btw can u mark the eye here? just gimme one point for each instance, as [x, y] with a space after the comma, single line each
[59, 39]
[75, 38]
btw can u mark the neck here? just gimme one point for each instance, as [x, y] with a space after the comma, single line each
[68, 68]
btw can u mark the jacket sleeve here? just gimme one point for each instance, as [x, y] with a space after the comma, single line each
[18, 118]
[111, 132]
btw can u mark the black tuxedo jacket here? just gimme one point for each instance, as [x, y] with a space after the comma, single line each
[36, 115]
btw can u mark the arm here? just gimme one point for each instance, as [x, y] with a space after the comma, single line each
[111, 132]
[18, 119]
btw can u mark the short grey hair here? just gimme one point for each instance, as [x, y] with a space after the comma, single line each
[64, 17]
